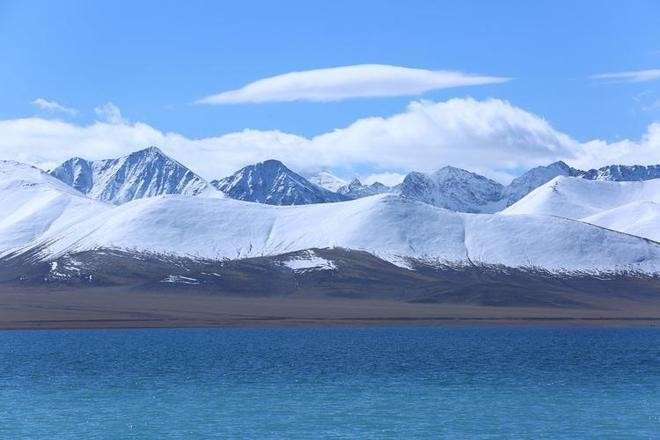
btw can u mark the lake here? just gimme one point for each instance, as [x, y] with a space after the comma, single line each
[372, 382]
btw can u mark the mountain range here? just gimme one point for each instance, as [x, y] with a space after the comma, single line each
[357, 190]
[552, 218]
[149, 172]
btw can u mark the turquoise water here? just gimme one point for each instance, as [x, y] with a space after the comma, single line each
[331, 383]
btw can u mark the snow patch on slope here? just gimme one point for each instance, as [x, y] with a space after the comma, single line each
[308, 260]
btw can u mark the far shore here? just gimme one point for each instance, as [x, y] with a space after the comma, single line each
[78, 309]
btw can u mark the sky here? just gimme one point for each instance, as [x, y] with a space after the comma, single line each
[362, 88]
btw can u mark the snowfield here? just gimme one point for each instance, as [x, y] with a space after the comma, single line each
[385, 225]
[630, 207]
[637, 218]
[35, 204]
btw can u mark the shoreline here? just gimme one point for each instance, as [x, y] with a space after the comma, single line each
[96, 310]
[440, 322]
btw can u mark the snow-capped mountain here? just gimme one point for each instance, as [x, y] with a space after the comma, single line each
[272, 183]
[36, 204]
[622, 173]
[454, 189]
[532, 179]
[52, 219]
[356, 189]
[630, 207]
[327, 180]
[385, 225]
[144, 173]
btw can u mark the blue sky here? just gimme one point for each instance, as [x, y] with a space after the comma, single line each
[154, 59]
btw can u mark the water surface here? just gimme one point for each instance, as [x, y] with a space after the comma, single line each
[331, 383]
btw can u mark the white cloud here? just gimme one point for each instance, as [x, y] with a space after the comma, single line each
[109, 112]
[632, 76]
[644, 151]
[491, 137]
[389, 179]
[339, 83]
[53, 107]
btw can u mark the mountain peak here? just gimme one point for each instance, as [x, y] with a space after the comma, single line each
[449, 173]
[451, 168]
[143, 173]
[271, 163]
[453, 188]
[356, 189]
[559, 164]
[271, 182]
[535, 177]
[152, 149]
[325, 179]
[152, 152]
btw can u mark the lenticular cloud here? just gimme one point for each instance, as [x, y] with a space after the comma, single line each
[339, 83]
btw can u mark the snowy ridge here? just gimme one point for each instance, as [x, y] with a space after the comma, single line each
[385, 225]
[637, 218]
[621, 173]
[577, 198]
[144, 173]
[37, 204]
[630, 207]
[532, 179]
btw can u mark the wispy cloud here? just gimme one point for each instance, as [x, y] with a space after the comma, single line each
[632, 76]
[53, 107]
[340, 83]
[109, 112]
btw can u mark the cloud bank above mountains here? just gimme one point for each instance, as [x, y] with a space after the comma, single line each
[340, 83]
[492, 137]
